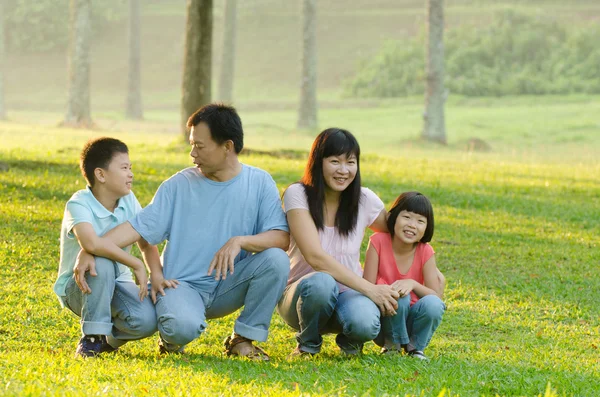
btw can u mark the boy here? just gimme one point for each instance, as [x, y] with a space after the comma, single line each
[112, 309]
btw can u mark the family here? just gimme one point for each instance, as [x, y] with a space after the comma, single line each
[230, 244]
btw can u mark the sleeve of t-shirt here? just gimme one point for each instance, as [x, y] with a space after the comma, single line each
[76, 213]
[153, 223]
[270, 213]
[295, 198]
[427, 252]
[372, 206]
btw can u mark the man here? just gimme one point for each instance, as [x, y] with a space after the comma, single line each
[214, 216]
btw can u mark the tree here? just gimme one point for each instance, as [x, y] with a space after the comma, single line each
[78, 105]
[435, 125]
[134, 95]
[196, 90]
[2, 57]
[228, 52]
[307, 114]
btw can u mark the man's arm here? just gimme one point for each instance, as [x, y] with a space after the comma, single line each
[157, 278]
[225, 257]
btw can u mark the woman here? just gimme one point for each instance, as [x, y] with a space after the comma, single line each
[328, 212]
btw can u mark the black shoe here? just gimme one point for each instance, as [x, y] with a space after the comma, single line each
[93, 345]
[418, 354]
[168, 348]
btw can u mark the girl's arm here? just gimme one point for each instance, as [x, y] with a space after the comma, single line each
[431, 283]
[371, 264]
[304, 231]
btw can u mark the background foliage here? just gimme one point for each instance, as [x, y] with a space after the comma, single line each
[517, 54]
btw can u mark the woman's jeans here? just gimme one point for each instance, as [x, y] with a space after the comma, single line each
[313, 306]
[413, 326]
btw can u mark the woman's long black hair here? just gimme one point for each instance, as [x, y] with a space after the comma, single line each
[332, 142]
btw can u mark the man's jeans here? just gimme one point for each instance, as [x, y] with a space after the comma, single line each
[412, 325]
[113, 308]
[256, 284]
[313, 306]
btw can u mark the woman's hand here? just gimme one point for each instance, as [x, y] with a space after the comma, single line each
[385, 297]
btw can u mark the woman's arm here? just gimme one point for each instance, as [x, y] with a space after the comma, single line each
[380, 223]
[306, 235]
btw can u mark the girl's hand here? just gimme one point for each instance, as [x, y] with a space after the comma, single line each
[404, 287]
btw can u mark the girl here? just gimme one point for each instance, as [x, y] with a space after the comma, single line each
[328, 212]
[404, 259]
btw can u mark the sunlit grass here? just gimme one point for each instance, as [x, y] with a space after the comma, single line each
[517, 239]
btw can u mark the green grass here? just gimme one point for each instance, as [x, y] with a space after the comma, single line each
[517, 236]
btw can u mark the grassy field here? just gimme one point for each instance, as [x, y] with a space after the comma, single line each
[517, 235]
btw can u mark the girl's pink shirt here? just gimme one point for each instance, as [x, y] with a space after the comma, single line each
[388, 270]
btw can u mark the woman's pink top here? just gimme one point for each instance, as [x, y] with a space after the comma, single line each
[345, 250]
[388, 270]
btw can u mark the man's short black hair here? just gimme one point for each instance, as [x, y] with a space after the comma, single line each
[223, 122]
[98, 153]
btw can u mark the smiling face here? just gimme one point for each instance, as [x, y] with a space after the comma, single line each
[208, 155]
[339, 171]
[118, 176]
[410, 227]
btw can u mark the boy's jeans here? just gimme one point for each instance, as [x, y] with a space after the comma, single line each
[113, 308]
[256, 284]
[412, 325]
[313, 306]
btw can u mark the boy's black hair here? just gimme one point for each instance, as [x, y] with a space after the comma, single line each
[332, 142]
[412, 202]
[98, 153]
[223, 122]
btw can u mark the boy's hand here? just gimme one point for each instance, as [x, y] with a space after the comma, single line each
[404, 287]
[142, 280]
[85, 262]
[159, 283]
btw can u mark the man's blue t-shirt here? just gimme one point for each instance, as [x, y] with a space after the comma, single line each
[197, 216]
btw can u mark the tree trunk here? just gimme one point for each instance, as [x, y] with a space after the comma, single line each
[307, 114]
[435, 125]
[78, 106]
[196, 89]
[134, 94]
[228, 52]
[2, 62]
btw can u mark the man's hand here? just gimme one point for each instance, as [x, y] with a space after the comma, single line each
[385, 297]
[85, 262]
[404, 287]
[224, 258]
[141, 278]
[159, 283]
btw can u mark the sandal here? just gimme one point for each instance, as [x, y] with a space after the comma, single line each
[252, 352]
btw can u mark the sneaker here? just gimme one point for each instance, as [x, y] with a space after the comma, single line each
[93, 345]
[417, 354]
[168, 348]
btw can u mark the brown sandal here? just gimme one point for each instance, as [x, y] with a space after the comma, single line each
[252, 353]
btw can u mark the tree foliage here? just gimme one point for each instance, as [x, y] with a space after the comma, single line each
[515, 55]
[43, 25]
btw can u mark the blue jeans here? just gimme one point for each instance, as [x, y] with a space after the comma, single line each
[313, 307]
[414, 325]
[113, 308]
[256, 284]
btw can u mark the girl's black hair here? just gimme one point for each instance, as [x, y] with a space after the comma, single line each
[332, 142]
[412, 202]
